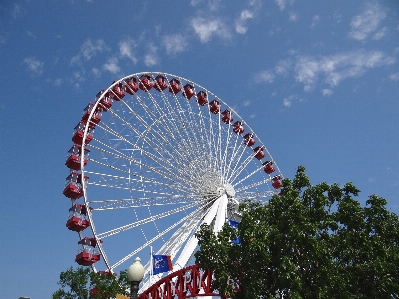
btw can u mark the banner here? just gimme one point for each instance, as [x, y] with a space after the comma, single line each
[162, 263]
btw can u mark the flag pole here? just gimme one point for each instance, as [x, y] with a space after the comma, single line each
[151, 266]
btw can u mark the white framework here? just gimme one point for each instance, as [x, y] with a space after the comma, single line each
[159, 166]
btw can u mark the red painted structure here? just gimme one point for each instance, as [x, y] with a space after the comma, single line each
[189, 282]
[88, 254]
[77, 219]
[73, 157]
[189, 91]
[78, 131]
[202, 98]
[132, 85]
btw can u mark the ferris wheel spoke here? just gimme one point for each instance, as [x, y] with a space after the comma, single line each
[240, 165]
[111, 204]
[155, 131]
[144, 221]
[255, 184]
[148, 141]
[141, 178]
[260, 168]
[233, 160]
[149, 242]
[154, 158]
[257, 195]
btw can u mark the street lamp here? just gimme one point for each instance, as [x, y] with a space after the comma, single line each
[135, 273]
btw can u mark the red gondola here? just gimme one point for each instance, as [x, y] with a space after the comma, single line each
[189, 91]
[276, 182]
[77, 136]
[132, 85]
[214, 106]
[202, 98]
[73, 157]
[248, 139]
[77, 218]
[226, 116]
[268, 167]
[117, 92]
[105, 102]
[73, 185]
[238, 127]
[146, 82]
[88, 254]
[95, 118]
[161, 83]
[259, 154]
[174, 86]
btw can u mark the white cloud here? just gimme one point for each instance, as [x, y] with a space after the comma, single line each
[112, 65]
[287, 102]
[316, 20]
[394, 77]
[265, 76]
[364, 24]
[205, 28]
[293, 17]
[327, 92]
[281, 3]
[126, 49]
[247, 103]
[96, 71]
[240, 24]
[89, 49]
[34, 65]
[174, 43]
[380, 33]
[212, 4]
[16, 12]
[151, 58]
[335, 68]
[283, 66]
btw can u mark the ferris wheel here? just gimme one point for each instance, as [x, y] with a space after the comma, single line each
[154, 156]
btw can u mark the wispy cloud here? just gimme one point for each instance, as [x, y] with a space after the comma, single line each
[337, 67]
[293, 17]
[126, 49]
[366, 23]
[264, 76]
[240, 24]
[213, 5]
[112, 65]
[89, 49]
[316, 20]
[394, 77]
[281, 3]
[174, 43]
[207, 28]
[151, 58]
[327, 92]
[283, 66]
[34, 65]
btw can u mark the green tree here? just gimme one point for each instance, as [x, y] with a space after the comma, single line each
[307, 242]
[83, 283]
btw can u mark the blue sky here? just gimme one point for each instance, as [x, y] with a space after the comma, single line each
[318, 81]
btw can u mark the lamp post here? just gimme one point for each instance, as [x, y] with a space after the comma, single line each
[135, 273]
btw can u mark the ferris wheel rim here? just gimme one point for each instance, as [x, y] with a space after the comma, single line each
[86, 130]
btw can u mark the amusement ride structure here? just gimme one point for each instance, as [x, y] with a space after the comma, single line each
[154, 157]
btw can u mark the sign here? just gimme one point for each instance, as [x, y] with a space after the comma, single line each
[189, 282]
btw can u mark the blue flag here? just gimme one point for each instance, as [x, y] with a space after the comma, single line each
[234, 224]
[162, 263]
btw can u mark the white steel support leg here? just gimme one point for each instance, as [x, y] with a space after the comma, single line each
[193, 241]
[221, 214]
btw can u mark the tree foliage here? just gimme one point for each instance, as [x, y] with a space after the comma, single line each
[83, 283]
[308, 242]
